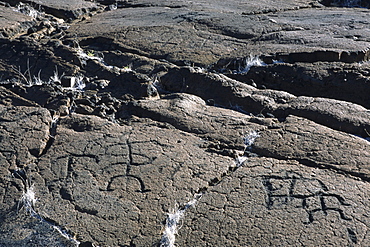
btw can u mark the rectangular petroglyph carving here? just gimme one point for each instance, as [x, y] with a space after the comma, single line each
[310, 194]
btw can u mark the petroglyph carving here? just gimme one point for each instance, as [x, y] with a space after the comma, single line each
[310, 194]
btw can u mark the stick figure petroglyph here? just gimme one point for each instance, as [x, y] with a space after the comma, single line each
[310, 194]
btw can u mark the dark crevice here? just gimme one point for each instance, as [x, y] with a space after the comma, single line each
[229, 151]
[217, 180]
[52, 135]
[130, 160]
[86, 210]
[352, 235]
[51, 221]
[346, 3]
[65, 194]
[345, 85]
[272, 11]
[49, 143]
[320, 56]
[86, 244]
[23, 175]
[311, 163]
[109, 44]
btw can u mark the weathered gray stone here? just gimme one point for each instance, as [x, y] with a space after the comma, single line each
[233, 6]
[120, 180]
[191, 114]
[101, 180]
[294, 138]
[203, 37]
[8, 98]
[315, 145]
[266, 154]
[68, 10]
[230, 93]
[13, 23]
[24, 133]
[339, 115]
[140, 64]
[269, 202]
[341, 81]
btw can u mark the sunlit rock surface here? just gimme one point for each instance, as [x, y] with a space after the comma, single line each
[207, 123]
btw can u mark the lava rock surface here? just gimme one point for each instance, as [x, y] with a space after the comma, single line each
[163, 123]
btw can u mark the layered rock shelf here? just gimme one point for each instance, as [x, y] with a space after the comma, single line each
[184, 123]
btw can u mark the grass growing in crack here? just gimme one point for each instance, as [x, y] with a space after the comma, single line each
[127, 68]
[173, 220]
[28, 10]
[28, 198]
[250, 62]
[175, 216]
[89, 55]
[196, 69]
[28, 201]
[66, 235]
[367, 138]
[28, 80]
[239, 161]
[55, 78]
[85, 56]
[26, 76]
[249, 139]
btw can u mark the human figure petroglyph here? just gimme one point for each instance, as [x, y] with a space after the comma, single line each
[310, 194]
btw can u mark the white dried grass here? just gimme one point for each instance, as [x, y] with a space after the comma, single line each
[249, 138]
[251, 62]
[77, 84]
[28, 201]
[67, 236]
[239, 161]
[83, 56]
[28, 10]
[172, 222]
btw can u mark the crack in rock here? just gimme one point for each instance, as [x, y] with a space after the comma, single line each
[173, 220]
[174, 217]
[28, 201]
[52, 134]
[143, 126]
